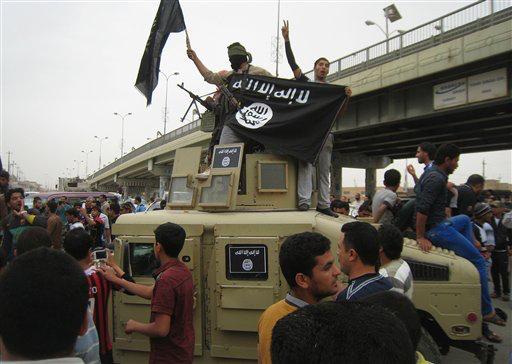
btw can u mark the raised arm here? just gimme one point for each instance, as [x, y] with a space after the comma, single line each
[209, 76]
[285, 31]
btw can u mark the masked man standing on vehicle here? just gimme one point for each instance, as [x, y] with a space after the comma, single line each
[304, 183]
[240, 61]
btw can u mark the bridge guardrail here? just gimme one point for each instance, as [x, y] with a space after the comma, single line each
[455, 24]
[164, 139]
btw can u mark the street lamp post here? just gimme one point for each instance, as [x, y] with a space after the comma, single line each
[391, 14]
[86, 152]
[166, 90]
[122, 129]
[100, 139]
[77, 161]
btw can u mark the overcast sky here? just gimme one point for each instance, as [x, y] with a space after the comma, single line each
[67, 66]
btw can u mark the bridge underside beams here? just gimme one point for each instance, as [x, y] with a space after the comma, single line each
[481, 127]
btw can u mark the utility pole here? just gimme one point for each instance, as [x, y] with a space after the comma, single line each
[483, 167]
[9, 162]
[86, 152]
[166, 91]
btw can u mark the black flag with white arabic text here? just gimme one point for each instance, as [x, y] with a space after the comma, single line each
[168, 19]
[286, 116]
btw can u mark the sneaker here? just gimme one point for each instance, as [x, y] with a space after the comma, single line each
[204, 175]
[303, 207]
[506, 297]
[327, 211]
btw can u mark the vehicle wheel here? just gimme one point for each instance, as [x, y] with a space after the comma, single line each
[428, 347]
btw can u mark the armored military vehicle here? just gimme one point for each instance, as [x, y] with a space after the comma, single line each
[234, 231]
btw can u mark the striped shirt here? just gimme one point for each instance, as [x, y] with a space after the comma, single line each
[399, 272]
[87, 346]
[99, 291]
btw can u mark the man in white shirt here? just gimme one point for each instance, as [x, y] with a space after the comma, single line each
[392, 266]
[384, 201]
[73, 217]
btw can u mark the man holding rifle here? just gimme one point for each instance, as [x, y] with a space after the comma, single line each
[305, 185]
[240, 61]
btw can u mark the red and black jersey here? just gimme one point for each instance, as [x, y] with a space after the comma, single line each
[99, 291]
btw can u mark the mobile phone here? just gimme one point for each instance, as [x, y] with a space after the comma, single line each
[100, 254]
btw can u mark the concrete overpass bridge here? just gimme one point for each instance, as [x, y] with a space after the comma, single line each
[449, 80]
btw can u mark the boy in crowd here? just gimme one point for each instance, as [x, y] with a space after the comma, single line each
[340, 207]
[391, 244]
[45, 324]
[358, 255]
[404, 310]
[385, 200]
[347, 332]
[78, 244]
[54, 225]
[73, 219]
[308, 266]
[171, 329]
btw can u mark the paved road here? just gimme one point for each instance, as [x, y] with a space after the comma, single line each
[504, 353]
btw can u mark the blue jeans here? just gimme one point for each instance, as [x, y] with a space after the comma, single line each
[456, 234]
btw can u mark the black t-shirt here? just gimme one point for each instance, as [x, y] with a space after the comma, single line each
[465, 201]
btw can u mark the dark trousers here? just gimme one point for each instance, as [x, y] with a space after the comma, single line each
[499, 272]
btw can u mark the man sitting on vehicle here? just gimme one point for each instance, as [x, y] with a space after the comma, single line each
[391, 244]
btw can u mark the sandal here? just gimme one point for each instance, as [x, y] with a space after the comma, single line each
[494, 319]
[493, 337]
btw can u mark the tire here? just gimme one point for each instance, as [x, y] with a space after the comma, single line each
[428, 347]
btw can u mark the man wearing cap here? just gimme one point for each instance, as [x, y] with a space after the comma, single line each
[500, 254]
[240, 61]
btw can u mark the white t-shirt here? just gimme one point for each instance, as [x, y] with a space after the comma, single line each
[489, 234]
[388, 198]
[104, 218]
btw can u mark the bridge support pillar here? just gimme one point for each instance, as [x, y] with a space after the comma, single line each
[336, 172]
[163, 180]
[370, 181]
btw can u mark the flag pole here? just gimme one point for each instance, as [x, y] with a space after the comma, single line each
[187, 39]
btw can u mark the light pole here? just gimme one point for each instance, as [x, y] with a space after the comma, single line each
[86, 152]
[166, 90]
[100, 139]
[122, 129]
[77, 161]
[391, 14]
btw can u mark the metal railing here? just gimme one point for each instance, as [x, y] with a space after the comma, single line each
[466, 20]
[164, 139]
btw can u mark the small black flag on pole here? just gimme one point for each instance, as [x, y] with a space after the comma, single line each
[168, 19]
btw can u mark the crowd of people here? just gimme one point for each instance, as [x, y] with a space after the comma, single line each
[50, 254]
[76, 231]
[474, 224]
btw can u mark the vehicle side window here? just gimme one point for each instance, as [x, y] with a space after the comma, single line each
[142, 259]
